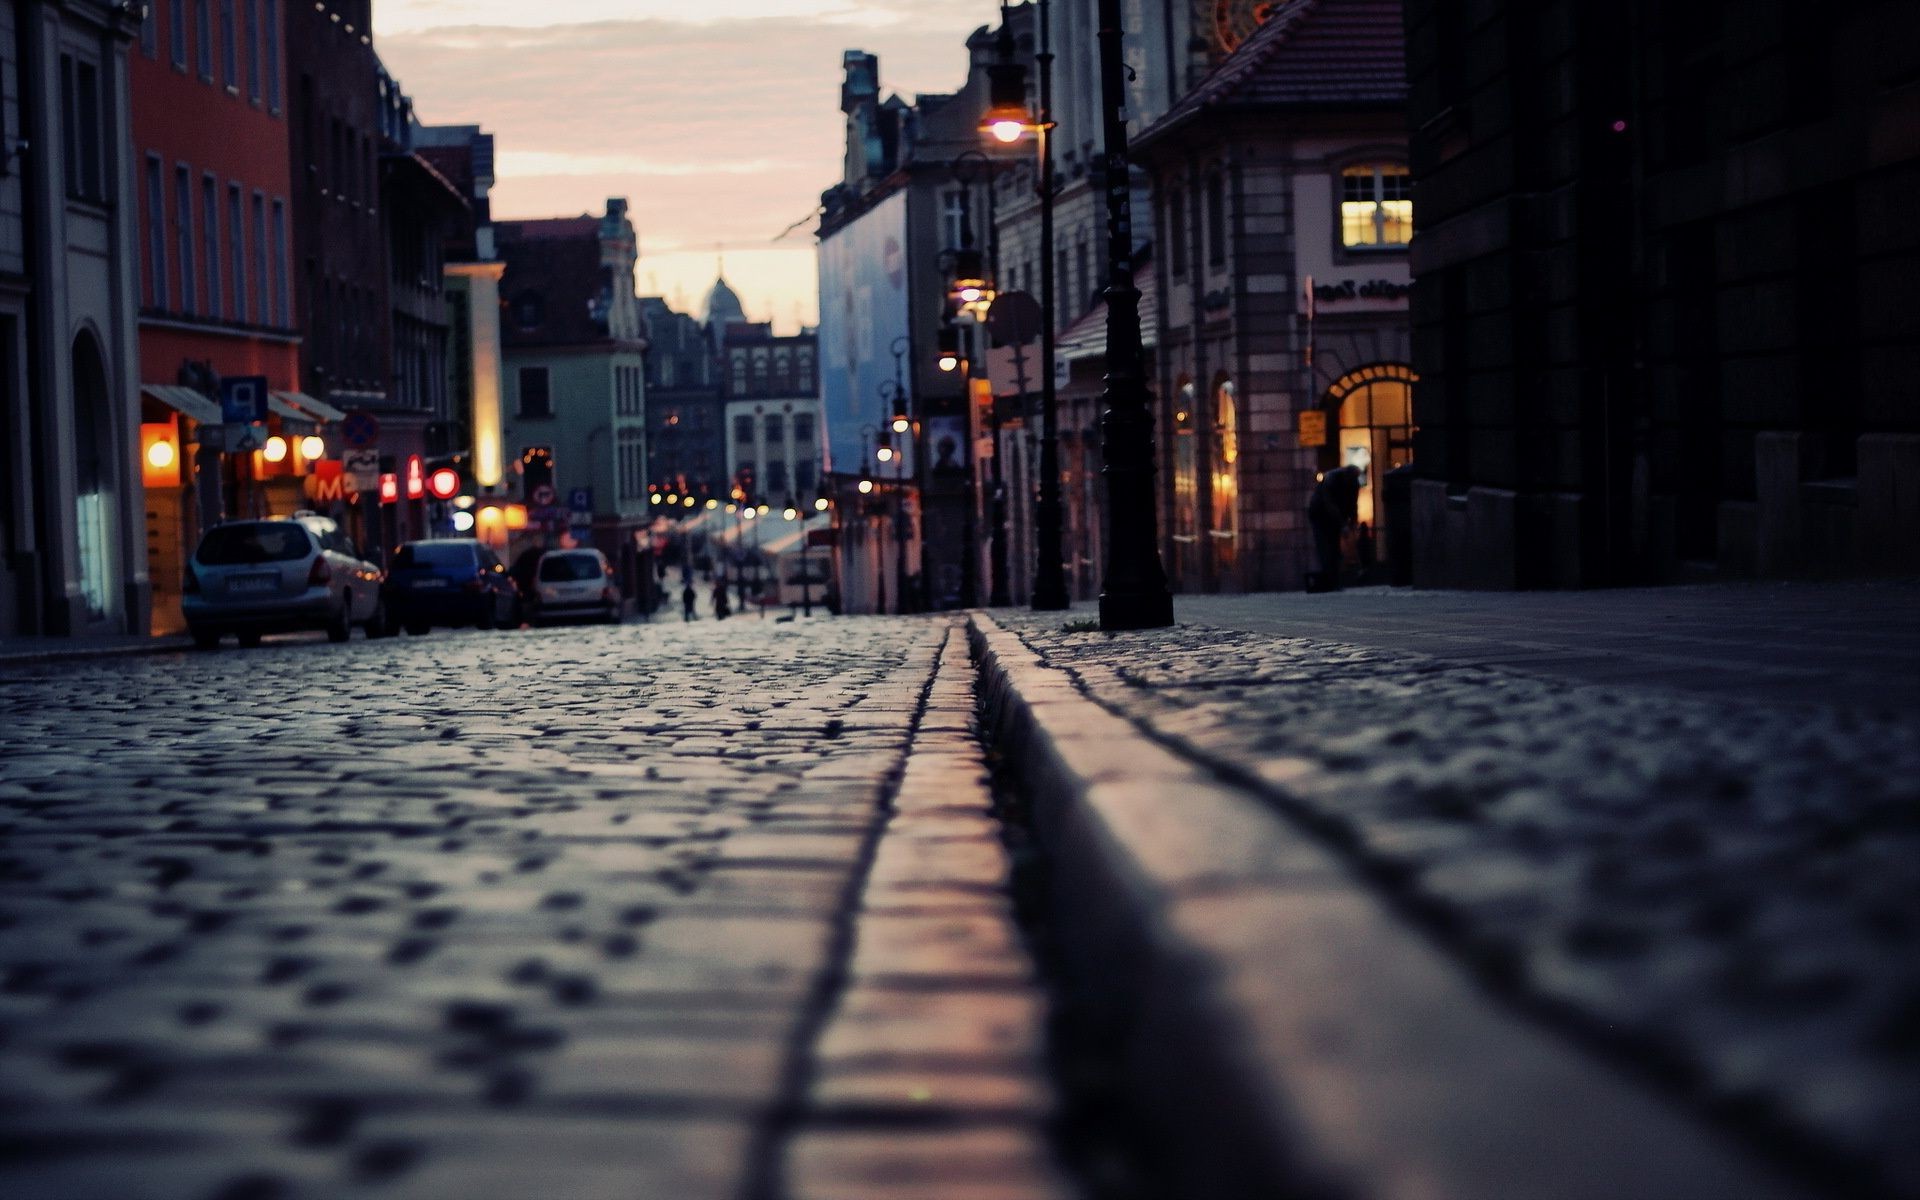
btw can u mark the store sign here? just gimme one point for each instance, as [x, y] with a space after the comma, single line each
[363, 469]
[324, 488]
[1313, 427]
[1352, 289]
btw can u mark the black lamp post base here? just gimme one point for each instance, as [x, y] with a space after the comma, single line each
[1135, 610]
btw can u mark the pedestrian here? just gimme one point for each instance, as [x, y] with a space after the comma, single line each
[687, 600]
[720, 607]
[1334, 505]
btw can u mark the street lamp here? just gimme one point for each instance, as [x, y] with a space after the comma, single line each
[1005, 120]
[1134, 594]
[966, 169]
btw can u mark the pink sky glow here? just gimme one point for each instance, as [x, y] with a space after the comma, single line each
[719, 120]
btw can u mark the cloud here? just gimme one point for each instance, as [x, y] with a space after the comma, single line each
[720, 128]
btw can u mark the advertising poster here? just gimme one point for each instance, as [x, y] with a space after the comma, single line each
[863, 311]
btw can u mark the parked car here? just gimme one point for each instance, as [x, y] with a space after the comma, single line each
[250, 578]
[559, 585]
[449, 581]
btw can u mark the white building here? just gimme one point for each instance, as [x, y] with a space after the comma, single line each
[72, 553]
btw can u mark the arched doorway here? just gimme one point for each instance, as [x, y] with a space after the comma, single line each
[93, 481]
[1373, 415]
[1224, 529]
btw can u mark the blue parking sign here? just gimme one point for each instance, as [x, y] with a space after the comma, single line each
[580, 499]
[243, 399]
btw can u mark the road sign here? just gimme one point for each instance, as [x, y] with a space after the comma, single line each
[580, 499]
[359, 429]
[242, 437]
[363, 469]
[541, 496]
[243, 399]
[1313, 427]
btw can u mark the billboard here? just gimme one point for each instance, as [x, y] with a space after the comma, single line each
[863, 312]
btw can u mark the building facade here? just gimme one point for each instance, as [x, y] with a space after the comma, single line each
[71, 525]
[1665, 291]
[574, 352]
[212, 159]
[686, 435]
[771, 385]
[1282, 217]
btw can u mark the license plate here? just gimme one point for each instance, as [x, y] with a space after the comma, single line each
[429, 583]
[254, 583]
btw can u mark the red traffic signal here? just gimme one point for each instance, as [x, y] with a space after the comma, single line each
[443, 483]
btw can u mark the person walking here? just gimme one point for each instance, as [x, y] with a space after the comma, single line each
[687, 600]
[1334, 505]
[720, 607]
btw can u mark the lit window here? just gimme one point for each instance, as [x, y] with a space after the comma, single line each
[1376, 207]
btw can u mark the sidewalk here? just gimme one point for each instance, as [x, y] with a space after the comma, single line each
[16, 651]
[1607, 894]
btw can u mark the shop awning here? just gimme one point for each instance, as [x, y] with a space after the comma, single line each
[185, 401]
[320, 410]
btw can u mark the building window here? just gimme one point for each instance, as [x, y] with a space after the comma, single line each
[203, 41]
[156, 233]
[1376, 207]
[953, 208]
[776, 431]
[237, 250]
[183, 236]
[263, 296]
[281, 316]
[1216, 220]
[229, 48]
[803, 427]
[80, 129]
[177, 32]
[210, 242]
[1177, 231]
[804, 479]
[743, 431]
[253, 50]
[149, 38]
[776, 478]
[272, 53]
[535, 398]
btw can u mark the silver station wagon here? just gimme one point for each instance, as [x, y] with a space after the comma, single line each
[250, 578]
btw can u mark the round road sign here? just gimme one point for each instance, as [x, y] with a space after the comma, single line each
[359, 429]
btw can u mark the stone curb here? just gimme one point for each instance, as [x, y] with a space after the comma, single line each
[80, 652]
[1283, 1034]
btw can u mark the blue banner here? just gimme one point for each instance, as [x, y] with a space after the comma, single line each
[863, 312]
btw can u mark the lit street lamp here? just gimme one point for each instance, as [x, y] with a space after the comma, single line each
[1005, 120]
[1134, 594]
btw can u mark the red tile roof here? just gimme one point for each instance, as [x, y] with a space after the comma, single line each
[1316, 54]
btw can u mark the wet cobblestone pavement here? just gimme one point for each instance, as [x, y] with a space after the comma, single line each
[1719, 891]
[531, 914]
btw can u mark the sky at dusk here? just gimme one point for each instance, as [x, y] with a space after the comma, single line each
[718, 119]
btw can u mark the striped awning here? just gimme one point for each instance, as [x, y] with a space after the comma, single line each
[185, 401]
[320, 410]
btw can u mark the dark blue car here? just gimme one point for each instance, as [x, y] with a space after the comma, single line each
[451, 581]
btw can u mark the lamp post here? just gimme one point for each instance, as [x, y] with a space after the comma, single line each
[1134, 594]
[866, 489]
[902, 426]
[964, 167]
[1006, 119]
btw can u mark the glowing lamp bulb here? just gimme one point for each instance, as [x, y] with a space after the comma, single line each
[160, 455]
[462, 521]
[789, 513]
[275, 450]
[1007, 132]
[866, 486]
[654, 499]
[712, 504]
[821, 504]
[886, 454]
[763, 510]
[313, 446]
[949, 362]
[748, 513]
[689, 502]
[969, 295]
[900, 425]
[733, 508]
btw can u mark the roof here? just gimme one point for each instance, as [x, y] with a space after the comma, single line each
[554, 283]
[1087, 337]
[1314, 54]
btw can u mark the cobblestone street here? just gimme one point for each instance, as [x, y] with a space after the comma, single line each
[566, 913]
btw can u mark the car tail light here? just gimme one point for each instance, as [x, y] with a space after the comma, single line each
[609, 594]
[322, 572]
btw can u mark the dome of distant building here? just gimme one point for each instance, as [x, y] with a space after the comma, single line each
[723, 307]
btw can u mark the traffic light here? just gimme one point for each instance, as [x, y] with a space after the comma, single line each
[449, 477]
